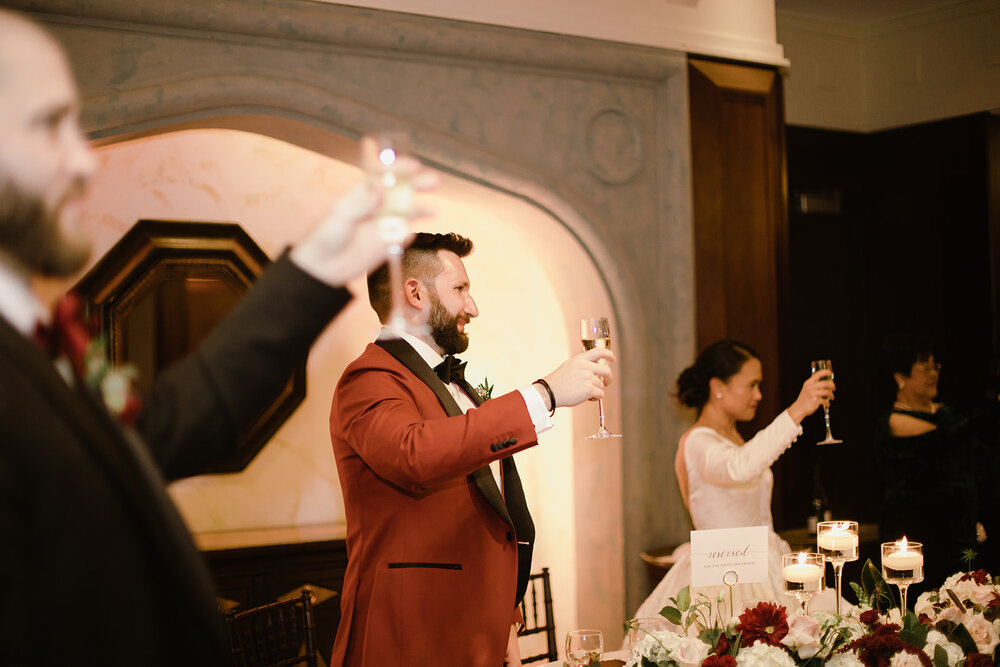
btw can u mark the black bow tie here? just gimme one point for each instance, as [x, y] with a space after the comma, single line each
[451, 370]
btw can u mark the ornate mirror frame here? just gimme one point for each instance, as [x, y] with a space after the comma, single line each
[162, 287]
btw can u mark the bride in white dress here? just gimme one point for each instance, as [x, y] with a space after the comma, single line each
[724, 481]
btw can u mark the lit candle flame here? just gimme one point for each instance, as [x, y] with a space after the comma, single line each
[902, 544]
[842, 527]
[802, 557]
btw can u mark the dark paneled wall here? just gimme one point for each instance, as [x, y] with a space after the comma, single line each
[909, 249]
[737, 162]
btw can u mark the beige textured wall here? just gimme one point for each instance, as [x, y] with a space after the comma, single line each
[927, 66]
[737, 29]
[592, 135]
[531, 281]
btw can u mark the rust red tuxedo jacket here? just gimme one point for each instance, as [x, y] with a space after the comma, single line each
[437, 559]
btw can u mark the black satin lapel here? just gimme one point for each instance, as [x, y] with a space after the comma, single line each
[406, 355]
[524, 527]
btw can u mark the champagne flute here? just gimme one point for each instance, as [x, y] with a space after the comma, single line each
[595, 332]
[386, 158]
[826, 365]
[584, 647]
[903, 564]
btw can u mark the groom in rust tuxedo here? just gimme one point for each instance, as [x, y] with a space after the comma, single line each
[96, 565]
[439, 537]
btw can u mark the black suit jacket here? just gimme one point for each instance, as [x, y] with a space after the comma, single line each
[96, 566]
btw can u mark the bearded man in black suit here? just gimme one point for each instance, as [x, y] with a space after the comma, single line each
[96, 566]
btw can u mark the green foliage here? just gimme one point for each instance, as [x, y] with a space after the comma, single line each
[914, 632]
[968, 557]
[940, 657]
[874, 591]
[964, 640]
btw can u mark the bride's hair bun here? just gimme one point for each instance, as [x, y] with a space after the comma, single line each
[722, 359]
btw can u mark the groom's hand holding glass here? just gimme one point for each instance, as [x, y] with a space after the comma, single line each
[578, 379]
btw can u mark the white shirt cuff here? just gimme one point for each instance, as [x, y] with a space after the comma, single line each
[536, 409]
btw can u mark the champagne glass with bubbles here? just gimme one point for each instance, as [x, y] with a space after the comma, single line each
[386, 159]
[826, 365]
[595, 332]
[584, 647]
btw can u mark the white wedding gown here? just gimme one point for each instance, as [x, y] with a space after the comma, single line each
[729, 485]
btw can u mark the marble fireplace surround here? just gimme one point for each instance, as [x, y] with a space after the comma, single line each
[594, 134]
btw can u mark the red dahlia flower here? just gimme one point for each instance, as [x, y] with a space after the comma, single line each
[767, 622]
[720, 661]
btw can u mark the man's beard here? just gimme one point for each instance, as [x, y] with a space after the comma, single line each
[444, 328]
[30, 233]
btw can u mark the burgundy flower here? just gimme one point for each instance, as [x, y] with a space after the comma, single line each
[925, 619]
[720, 661]
[877, 648]
[979, 576]
[767, 622]
[995, 602]
[978, 660]
[869, 617]
[722, 646]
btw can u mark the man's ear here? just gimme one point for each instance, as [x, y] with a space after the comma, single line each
[414, 293]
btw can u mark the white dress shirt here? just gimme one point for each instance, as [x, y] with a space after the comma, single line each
[18, 304]
[532, 400]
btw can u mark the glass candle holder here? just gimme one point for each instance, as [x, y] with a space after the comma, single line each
[837, 541]
[803, 575]
[902, 565]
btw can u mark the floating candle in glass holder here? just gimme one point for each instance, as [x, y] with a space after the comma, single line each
[803, 575]
[903, 564]
[838, 542]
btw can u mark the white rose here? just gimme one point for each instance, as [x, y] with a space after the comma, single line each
[954, 651]
[763, 655]
[924, 605]
[690, 652]
[903, 659]
[803, 636]
[951, 614]
[983, 633]
[844, 660]
[952, 581]
[970, 590]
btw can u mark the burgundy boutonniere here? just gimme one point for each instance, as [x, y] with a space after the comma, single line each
[68, 341]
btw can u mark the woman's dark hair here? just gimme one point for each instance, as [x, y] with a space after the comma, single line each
[901, 350]
[722, 359]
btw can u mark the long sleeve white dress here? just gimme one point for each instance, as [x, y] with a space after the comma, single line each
[729, 485]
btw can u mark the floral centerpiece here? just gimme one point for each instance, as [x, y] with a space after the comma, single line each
[956, 626]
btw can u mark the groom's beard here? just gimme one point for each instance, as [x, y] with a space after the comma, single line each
[444, 327]
[30, 233]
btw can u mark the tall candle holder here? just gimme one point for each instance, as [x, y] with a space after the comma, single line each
[903, 564]
[803, 575]
[837, 541]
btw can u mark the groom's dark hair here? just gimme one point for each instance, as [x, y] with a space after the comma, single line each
[420, 261]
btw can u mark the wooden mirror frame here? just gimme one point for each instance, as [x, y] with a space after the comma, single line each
[192, 270]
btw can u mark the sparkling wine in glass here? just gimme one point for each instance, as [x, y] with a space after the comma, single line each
[584, 647]
[903, 564]
[838, 542]
[387, 160]
[826, 365]
[803, 575]
[595, 332]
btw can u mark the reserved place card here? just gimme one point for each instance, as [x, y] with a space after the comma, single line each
[717, 552]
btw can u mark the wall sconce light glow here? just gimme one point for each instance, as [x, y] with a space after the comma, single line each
[387, 156]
